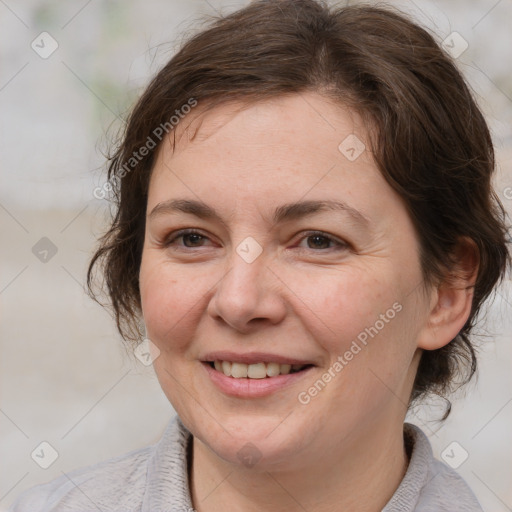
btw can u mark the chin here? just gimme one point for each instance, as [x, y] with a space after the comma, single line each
[259, 442]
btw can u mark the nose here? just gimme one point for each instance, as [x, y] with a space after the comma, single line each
[248, 296]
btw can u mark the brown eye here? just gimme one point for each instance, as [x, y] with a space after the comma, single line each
[318, 242]
[194, 239]
[321, 241]
[191, 239]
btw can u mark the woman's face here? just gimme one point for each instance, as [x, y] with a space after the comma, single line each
[271, 276]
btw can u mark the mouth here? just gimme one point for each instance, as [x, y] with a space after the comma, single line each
[261, 370]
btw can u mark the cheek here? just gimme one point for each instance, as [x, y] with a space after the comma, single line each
[341, 304]
[167, 302]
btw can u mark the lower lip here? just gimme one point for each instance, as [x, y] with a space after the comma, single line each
[252, 388]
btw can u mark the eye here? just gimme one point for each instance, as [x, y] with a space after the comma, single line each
[191, 239]
[316, 240]
[321, 241]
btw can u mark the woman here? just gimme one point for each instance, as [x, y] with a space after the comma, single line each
[305, 233]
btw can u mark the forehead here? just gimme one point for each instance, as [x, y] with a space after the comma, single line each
[303, 115]
[300, 132]
[275, 151]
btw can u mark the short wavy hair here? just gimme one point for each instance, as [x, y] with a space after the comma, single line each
[428, 137]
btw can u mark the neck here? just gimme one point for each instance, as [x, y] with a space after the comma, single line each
[361, 474]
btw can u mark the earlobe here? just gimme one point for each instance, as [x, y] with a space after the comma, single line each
[452, 300]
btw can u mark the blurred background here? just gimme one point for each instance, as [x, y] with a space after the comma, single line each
[69, 73]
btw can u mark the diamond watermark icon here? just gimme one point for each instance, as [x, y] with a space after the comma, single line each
[44, 455]
[249, 249]
[454, 455]
[146, 352]
[455, 45]
[249, 455]
[352, 147]
[44, 250]
[44, 45]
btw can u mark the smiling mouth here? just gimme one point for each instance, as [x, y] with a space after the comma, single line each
[256, 370]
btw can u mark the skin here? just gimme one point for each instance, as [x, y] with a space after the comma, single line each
[302, 297]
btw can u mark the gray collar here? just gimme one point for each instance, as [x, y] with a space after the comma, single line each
[167, 486]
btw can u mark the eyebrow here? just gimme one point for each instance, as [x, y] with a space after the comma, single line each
[283, 213]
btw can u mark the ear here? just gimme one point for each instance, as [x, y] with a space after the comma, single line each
[451, 300]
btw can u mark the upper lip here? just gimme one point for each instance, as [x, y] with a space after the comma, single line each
[252, 358]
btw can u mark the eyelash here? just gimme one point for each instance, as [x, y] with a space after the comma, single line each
[180, 234]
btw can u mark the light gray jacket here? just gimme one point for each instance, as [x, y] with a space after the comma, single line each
[154, 479]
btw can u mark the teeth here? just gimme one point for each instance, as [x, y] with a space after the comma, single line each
[273, 369]
[256, 370]
[239, 370]
[285, 368]
[226, 368]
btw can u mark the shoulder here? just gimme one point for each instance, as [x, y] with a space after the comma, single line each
[429, 485]
[114, 484]
[446, 490]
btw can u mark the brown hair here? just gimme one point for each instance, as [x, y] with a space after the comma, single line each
[428, 137]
